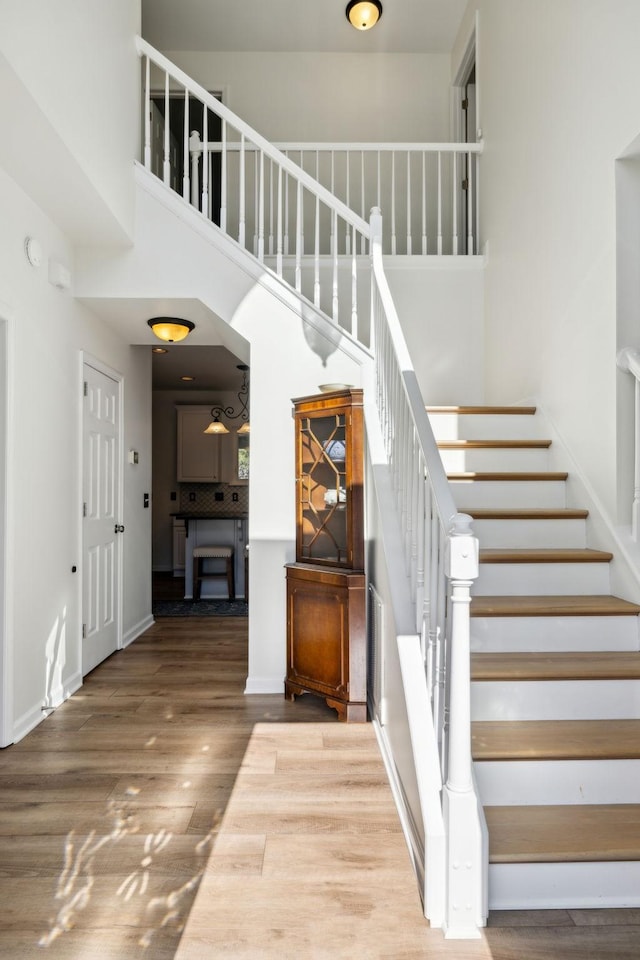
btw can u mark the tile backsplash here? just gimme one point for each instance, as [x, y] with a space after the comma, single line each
[205, 499]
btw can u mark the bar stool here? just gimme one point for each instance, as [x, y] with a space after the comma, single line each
[212, 552]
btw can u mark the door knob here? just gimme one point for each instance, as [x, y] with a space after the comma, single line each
[119, 528]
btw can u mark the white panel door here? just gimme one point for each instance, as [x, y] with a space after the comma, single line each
[101, 523]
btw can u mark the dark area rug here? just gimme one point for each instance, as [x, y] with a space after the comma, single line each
[199, 608]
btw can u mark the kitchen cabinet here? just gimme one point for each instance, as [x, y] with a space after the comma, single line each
[326, 620]
[208, 458]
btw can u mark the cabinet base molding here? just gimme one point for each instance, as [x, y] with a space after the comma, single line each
[347, 710]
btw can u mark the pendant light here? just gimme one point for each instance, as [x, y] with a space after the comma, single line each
[363, 14]
[216, 426]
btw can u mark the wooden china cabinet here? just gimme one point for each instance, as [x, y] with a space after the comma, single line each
[326, 619]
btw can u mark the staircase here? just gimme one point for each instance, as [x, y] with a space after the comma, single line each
[555, 674]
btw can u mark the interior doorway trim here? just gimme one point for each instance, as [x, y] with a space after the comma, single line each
[6, 527]
[469, 61]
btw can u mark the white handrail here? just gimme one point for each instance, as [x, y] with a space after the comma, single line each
[441, 560]
[628, 360]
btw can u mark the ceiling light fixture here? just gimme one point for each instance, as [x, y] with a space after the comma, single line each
[363, 14]
[171, 329]
[159, 350]
[216, 426]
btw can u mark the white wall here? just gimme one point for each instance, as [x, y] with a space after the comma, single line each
[440, 308]
[293, 96]
[558, 82]
[47, 331]
[70, 109]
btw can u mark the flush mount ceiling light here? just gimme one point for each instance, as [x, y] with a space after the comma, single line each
[363, 14]
[216, 425]
[171, 329]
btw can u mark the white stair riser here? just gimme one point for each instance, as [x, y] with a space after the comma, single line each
[508, 493]
[495, 459]
[550, 886]
[555, 700]
[526, 782]
[530, 533]
[545, 579]
[453, 426]
[539, 634]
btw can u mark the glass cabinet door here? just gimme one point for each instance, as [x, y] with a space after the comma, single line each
[323, 494]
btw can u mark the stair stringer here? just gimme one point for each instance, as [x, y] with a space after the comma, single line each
[181, 263]
[602, 534]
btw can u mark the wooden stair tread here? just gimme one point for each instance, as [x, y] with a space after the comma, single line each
[524, 513]
[607, 665]
[545, 555]
[527, 411]
[595, 605]
[555, 739]
[494, 444]
[514, 476]
[564, 834]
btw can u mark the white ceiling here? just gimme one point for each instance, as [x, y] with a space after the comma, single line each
[406, 26]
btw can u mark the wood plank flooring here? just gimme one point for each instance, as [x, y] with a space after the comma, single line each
[119, 840]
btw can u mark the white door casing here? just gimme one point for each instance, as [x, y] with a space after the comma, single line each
[102, 529]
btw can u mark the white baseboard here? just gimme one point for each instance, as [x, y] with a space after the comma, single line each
[257, 685]
[35, 715]
[139, 628]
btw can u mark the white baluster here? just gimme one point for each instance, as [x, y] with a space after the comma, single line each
[393, 201]
[354, 285]
[316, 254]
[279, 225]
[270, 208]
[195, 149]
[261, 209]
[363, 212]
[455, 204]
[242, 199]
[408, 203]
[223, 179]
[299, 238]
[166, 167]
[470, 207]
[210, 181]
[205, 160]
[347, 233]
[424, 205]
[256, 216]
[334, 292]
[185, 147]
[147, 114]
[439, 243]
[286, 211]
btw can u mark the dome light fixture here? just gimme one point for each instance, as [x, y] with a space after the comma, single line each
[363, 14]
[171, 329]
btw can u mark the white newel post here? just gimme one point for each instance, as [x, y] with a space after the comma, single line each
[465, 868]
[195, 149]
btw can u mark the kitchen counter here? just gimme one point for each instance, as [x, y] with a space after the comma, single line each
[206, 528]
[188, 515]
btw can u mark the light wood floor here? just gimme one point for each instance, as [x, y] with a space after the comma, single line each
[127, 830]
